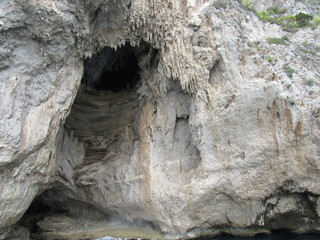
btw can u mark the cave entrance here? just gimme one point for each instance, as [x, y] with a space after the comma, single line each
[108, 99]
[114, 70]
[37, 211]
[125, 73]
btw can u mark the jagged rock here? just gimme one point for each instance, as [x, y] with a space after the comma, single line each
[171, 118]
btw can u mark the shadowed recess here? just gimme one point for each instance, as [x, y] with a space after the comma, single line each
[108, 101]
[114, 70]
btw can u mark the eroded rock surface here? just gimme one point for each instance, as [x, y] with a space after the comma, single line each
[164, 118]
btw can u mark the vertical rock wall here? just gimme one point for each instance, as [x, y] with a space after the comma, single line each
[214, 137]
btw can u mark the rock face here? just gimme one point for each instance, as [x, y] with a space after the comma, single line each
[157, 119]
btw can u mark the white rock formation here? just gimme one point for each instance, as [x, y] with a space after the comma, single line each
[214, 136]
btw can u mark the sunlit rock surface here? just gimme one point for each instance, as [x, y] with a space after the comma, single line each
[157, 119]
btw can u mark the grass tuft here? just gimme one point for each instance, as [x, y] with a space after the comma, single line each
[278, 41]
[311, 82]
[289, 71]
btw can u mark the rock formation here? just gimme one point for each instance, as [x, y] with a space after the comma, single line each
[158, 118]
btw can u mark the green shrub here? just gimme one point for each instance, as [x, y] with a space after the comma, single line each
[289, 23]
[264, 16]
[311, 82]
[269, 59]
[273, 10]
[316, 20]
[303, 19]
[286, 38]
[278, 41]
[247, 4]
[288, 19]
[276, 10]
[288, 70]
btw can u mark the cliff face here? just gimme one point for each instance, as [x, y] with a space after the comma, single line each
[158, 118]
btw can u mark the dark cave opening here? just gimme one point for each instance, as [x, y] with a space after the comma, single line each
[108, 98]
[120, 77]
[37, 211]
[114, 70]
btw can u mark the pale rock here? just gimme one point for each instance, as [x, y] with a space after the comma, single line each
[211, 138]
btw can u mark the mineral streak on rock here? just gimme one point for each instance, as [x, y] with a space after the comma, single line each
[152, 118]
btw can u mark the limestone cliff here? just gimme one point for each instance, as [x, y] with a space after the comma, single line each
[158, 118]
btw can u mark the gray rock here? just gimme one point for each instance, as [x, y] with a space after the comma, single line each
[211, 136]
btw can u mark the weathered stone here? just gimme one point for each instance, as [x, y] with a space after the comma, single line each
[197, 128]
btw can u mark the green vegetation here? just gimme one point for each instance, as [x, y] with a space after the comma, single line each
[311, 82]
[279, 41]
[243, 36]
[247, 4]
[288, 70]
[275, 10]
[307, 51]
[286, 38]
[303, 19]
[290, 23]
[316, 20]
[292, 101]
[269, 59]
[271, 15]
[264, 16]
